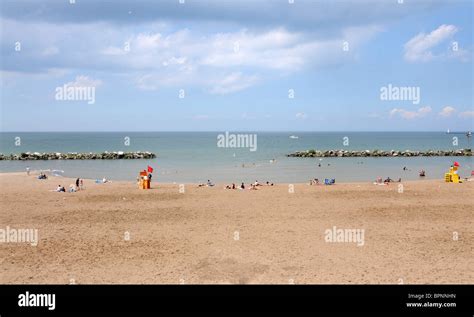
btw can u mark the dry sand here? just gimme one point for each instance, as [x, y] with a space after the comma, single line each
[191, 237]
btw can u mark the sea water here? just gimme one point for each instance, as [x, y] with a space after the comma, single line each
[195, 157]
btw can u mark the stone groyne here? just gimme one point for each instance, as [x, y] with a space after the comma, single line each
[379, 153]
[36, 156]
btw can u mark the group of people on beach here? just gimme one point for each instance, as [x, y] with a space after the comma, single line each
[72, 188]
[208, 184]
[388, 180]
[253, 186]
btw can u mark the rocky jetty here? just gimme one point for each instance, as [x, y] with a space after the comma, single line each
[36, 156]
[379, 153]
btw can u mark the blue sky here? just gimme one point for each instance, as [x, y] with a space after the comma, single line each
[237, 63]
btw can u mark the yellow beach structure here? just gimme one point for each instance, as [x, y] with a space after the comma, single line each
[452, 176]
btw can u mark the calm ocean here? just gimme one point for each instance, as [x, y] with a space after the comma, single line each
[192, 157]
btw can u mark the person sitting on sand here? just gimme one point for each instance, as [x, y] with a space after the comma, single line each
[253, 187]
[233, 185]
[209, 183]
[388, 180]
[242, 186]
[378, 181]
[72, 189]
[257, 183]
[61, 189]
[422, 173]
[77, 184]
[228, 187]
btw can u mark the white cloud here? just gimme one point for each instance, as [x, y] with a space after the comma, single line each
[145, 42]
[232, 83]
[467, 114]
[276, 49]
[447, 111]
[301, 116]
[147, 82]
[423, 111]
[114, 51]
[420, 48]
[175, 61]
[84, 81]
[166, 56]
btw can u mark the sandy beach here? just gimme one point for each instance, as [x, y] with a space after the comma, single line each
[115, 233]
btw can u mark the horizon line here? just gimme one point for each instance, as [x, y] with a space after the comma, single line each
[280, 131]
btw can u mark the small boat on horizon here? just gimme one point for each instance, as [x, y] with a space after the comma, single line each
[294, 137]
